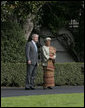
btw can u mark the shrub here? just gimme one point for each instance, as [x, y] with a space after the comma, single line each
[12, 42]
[69, 74]
[14, 74]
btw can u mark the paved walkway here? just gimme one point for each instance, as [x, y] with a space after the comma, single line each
[10, 92]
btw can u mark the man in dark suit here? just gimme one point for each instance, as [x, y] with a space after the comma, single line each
[32, 61]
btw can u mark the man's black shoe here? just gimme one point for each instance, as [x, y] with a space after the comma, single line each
[27, 88]
[50, 88]
[32, 88]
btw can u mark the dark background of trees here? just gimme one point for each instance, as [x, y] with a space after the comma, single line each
[51, 14]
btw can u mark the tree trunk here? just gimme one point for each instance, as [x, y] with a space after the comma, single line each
[28, 26]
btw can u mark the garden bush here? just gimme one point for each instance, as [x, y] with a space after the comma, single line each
[14, 74]
[69, 74]
[12, 42]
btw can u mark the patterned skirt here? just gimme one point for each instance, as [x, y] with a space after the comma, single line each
[48, 76]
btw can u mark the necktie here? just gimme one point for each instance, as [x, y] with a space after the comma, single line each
[36, 47]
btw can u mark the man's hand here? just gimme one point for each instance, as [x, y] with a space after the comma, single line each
[29, 62]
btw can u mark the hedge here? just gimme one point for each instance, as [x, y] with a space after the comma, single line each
[12, 42]
[14, 74]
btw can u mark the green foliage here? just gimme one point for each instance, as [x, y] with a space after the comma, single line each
[14, 74]
[12, 43]
[69, 74]
[79, 37]
[58, 14]
[19, 9]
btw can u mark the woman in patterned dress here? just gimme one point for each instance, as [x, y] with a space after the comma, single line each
[48, 60]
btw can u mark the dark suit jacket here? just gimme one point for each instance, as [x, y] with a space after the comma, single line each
[31, 53]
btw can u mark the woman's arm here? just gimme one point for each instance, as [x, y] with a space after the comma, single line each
[53, 53]
[45, 53]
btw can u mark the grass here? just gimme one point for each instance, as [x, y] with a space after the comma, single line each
[53, 100]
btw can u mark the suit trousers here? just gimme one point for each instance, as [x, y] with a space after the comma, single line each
[31, 73]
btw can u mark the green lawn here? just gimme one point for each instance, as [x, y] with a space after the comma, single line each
[53, 100]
